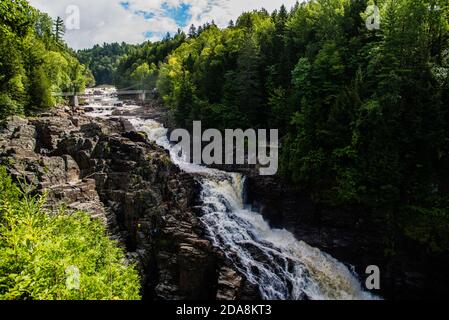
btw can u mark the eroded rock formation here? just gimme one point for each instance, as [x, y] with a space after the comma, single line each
[131, 185]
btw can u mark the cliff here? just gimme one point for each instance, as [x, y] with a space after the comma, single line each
[131, 185]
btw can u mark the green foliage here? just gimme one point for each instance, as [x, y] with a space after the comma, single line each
[361, 111]
[8, 107]
[363, 114]
[34, 61]
[39, 252]
[40, 89]
[104, 60]
[138, 67]
[429, 227]
[59, 29]
[16, 16]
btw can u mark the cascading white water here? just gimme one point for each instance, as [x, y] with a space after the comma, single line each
[282, 267]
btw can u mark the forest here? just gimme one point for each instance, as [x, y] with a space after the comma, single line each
[129, 66]
[362, 113]
[35, 62]
[103, 60]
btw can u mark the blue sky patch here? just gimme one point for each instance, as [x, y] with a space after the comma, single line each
[125, 4]
[180, 14]
[146, 14]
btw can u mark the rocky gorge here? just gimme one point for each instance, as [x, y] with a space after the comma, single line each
[351, 234]
[152, 208]
[148, 205]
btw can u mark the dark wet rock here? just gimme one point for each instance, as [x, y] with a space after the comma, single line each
[130, 184]
[353, 237]
[229, 282]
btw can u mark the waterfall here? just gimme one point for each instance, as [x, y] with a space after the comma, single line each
[282, 267]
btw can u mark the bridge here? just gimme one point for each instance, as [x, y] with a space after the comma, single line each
[93, 93]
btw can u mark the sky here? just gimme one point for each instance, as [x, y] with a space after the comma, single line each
[91, 22]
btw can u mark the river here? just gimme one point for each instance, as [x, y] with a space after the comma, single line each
[283, 267]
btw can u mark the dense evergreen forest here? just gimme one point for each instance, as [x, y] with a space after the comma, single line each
[126, 65]
[34, 60]
[140, 67]
[362, 113]
[103, 60]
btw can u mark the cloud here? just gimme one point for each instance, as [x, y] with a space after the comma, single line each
[135, 21]
[100, 21]
[222, 11]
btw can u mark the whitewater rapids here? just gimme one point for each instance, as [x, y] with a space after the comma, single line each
[282, 267]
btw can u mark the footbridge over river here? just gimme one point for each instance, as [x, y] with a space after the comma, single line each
[102, 93]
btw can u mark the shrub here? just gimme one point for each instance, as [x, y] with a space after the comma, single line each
[45, 256]
[8, 106]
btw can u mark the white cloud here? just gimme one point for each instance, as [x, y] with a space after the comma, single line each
[231, 9]
[108, 21]
[104, 21]
[222, 11]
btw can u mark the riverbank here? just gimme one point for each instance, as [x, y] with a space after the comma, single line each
[152, 207]
[354, 236]
[351, 234]
[130, 184]
[284, 207]
[187, 227]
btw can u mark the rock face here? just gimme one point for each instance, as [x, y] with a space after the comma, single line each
[132, 186]
[351, 236]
